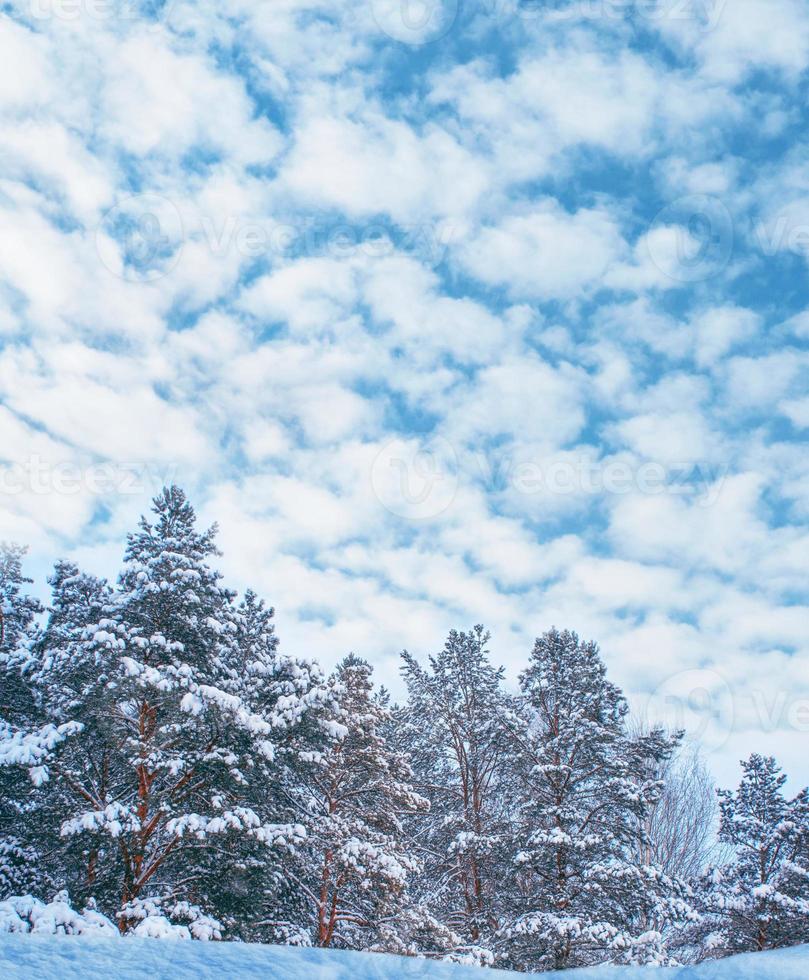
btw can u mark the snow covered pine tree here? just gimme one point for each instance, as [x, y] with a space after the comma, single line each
[158, 787]
[63, 684]
[20, 862]
[453, 728]
[356, 792]
[760, 898]
[261, 889]
[161, 759]
[581, 896]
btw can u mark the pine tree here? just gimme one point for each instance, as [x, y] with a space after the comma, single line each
[358, 789]
[760, 898]
[581, 894]
[66, 675]
[20, 857]
[166, 763]
[453, 726]
[261, 896]
[18, 612]
[156, 792]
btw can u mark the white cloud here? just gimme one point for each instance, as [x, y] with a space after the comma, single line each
[719, 527]
[797, 411]
[50, 153]
[521, 399]
[156, 100]
[674, 438]
[757, 383]
[544, 252]
[719, 329]
[743, 35]
[566, 97]
[268, 378]
[26, 81]
[372, 165]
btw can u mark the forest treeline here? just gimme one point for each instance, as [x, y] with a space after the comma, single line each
[164, 765]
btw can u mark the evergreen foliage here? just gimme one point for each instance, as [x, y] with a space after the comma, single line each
[168, 767]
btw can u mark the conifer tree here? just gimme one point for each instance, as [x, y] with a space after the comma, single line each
[18, 613]
[64, 680]
[261, 896]
[582, 896]
[20, 851]
[157, 789]
[357, 792]
[759, 899]
[453, 726]
[165, 762]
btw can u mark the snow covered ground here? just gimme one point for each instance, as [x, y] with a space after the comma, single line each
[31, 957]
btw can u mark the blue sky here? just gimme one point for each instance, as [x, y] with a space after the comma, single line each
[447, 312]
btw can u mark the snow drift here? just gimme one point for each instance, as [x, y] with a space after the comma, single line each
[31, 957]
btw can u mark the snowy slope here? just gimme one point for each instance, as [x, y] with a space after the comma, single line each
[68, 957]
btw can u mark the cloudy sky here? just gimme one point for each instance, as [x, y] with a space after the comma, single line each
[447, 312]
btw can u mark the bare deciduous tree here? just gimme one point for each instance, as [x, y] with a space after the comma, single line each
[682, 827]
